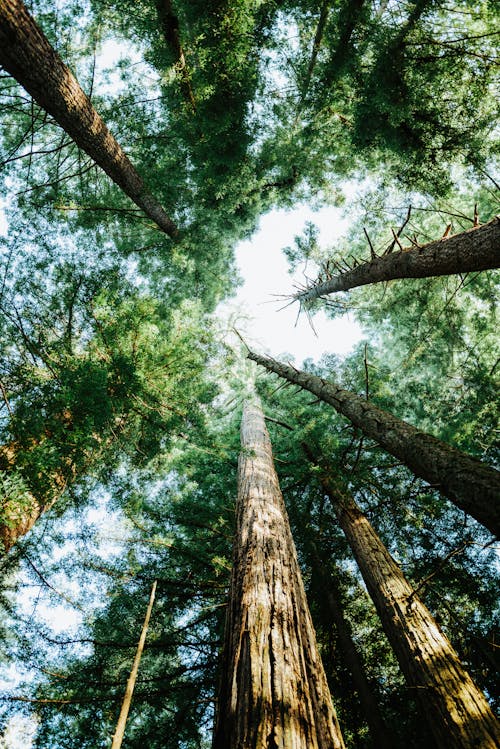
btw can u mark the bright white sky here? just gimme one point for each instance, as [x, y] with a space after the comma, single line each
[264, 268]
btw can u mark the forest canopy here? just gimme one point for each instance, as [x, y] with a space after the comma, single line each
[141, 143]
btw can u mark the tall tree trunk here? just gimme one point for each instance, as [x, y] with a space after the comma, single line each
[473, 250]
[457, 711]
[469, 483]
[274, 693]
[380, 733]
[127, 700]
[27, 55]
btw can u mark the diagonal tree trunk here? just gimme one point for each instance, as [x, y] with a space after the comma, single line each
[27, 55]
[473, 250]
[274, 693]
[458, 713]
[129, 691]
[19, 514]
[469, 483]
[379, 731]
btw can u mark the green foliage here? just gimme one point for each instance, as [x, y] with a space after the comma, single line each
[116, 391]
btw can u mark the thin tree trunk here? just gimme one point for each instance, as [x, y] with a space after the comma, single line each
[379, 731]
[349, 17]
[170, 27]
[318, 37]
[469, 483]
[274, 693]
[473, 250]
[458, 713]
[122, 720]
[27, 55]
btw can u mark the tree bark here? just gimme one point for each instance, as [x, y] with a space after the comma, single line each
[474, 250]
[19, 515]
[379, 731]
[27, 55]
[469, 483]
[458, 713]
[274, 693]
[122, 720]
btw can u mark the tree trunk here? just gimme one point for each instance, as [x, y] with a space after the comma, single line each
[27, 55]
[274, 693]
[473, 250]
[170, 27]
[469, 483]
[122, 720]
[379, 732]
[457, 711]
[18, 515]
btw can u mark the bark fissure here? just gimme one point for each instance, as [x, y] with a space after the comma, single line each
[273, 688]
[459, 715]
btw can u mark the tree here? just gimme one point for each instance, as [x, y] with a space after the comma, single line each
[470, 484]
[28, 56]
[474, 250]
[122, 720]
[458, 713]
[273, 687]
[91, 378]
[330, 590]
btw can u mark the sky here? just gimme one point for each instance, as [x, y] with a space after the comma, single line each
[264, 268]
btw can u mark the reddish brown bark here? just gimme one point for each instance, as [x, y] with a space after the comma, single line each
[379, 731]
[27, 55]
[459, 715]
[273, 692]
[473, 250]
[469, 483]
[18, 515]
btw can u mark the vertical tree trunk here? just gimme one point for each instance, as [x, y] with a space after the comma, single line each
[470, 484]
[458, 713]
[122, 720]
[27, 55]
[381, 735]
[473, 250]
[274, 693]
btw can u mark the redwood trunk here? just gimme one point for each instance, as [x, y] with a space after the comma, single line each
[274, 693]
[27, 55]
[458, 713]
[379, 732]
[473, 250]
[469, 483]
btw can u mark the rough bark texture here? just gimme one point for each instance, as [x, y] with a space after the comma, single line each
[473, 250]
[274, 693]
[27, 55]
[458, 713]
[469, 483]
[380, 733]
